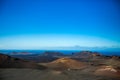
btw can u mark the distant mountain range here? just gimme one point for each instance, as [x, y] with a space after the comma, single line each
[113, 48]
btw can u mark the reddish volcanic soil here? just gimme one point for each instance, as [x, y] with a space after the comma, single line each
[107, 71]
[66, 63]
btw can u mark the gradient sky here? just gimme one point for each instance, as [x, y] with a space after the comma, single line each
[31, 24]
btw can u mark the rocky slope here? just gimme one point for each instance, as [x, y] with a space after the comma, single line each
[11, 62]
[109, 71]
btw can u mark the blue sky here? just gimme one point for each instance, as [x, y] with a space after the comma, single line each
[44, 23]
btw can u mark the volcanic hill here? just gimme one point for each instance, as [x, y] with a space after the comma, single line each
[7, 61]
[66, 63]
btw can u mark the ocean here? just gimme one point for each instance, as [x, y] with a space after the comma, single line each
[110, 53]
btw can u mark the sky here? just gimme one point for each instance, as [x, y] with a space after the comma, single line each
[32, 24]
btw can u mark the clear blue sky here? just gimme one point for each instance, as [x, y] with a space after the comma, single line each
[38, 23]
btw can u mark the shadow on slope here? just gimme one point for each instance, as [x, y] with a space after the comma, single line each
[11, 62]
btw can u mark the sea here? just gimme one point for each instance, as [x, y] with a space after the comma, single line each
[67, 52]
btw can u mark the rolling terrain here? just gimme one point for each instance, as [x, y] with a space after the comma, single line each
[85, 65]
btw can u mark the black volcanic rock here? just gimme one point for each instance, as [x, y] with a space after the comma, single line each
[52, 53]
